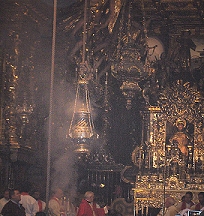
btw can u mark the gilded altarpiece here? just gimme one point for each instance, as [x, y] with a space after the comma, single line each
[19, 138]
[170, 158]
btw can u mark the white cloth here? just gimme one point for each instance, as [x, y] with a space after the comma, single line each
[171, 211]
[54, 207]
[30, 205]
[184, 212]
[105, 209]
[3, 201]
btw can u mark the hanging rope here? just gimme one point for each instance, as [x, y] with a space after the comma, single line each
[84, 32]
[144, 20]
[51, 103]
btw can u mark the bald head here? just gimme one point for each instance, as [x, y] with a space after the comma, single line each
[89, 196]
[169, 202]
[58, 193]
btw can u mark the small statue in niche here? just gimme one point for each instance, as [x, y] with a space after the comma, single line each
[180, 56]
[180, 149]
[181, 138]
[186, 44]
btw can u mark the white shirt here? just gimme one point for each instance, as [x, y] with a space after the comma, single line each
[30, 205]
[54, 207]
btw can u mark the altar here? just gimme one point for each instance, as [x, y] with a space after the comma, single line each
[170, 159]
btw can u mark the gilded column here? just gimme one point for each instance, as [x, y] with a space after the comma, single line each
[153, 136]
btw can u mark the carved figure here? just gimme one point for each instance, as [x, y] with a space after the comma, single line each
[186, 44]
[181, 138]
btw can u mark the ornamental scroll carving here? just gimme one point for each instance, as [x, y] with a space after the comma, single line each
[181, 101]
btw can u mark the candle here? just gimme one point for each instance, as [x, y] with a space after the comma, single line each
[136, 209]
[142, 209]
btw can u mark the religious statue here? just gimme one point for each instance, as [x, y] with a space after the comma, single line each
[180, 56]
[181, 138]
[180, 150]
[186, 44]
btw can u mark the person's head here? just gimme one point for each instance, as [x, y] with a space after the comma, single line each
[180, 126]
[183, 198]
[58, 193]
[89, 196]
[15, 195]
[201, 197]
[169, 202]
[188, 197]
[36, 195]
[6, 194]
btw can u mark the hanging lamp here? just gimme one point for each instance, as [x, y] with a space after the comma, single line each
[81, 128]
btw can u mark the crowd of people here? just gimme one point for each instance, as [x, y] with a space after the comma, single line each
[16, 203]
[182, 208]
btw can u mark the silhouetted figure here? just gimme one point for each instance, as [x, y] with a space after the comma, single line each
[56, 205]
[186, 202]
[28, 202]
[200, 205]
[13, 207]
[5, 199]
[41, 203]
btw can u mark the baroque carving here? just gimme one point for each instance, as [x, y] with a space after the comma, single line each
[168, 161]
[181, 101]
